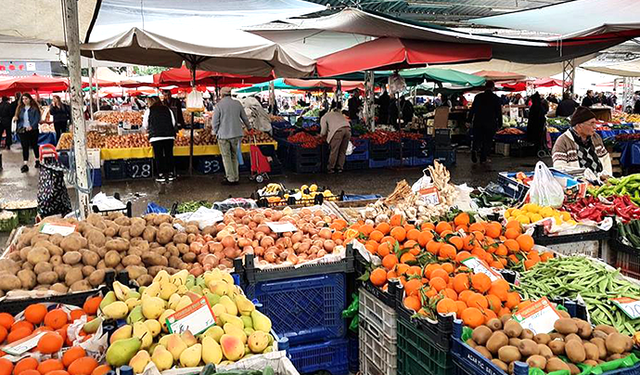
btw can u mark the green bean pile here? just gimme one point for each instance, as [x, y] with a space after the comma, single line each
[569, 277]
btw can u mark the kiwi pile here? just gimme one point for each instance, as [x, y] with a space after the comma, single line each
[505, 342]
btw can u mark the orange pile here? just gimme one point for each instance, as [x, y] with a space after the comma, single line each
[55, 322]
[428, 263]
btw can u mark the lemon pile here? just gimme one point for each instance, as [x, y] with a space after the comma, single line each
[531, 213]
[310, 192]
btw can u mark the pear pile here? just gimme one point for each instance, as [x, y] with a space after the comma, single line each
[240, 330]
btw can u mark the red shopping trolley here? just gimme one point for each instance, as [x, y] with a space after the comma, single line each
[260, 164]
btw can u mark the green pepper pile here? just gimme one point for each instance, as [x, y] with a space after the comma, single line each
[629, 185]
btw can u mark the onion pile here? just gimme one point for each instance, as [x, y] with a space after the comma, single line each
[246, 232]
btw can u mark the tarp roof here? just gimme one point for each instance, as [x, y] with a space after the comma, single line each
[418, 76]
[299, 84]
[572, 18]
[182, 76]
[525, 51]
[239, 52]
[499, 76]
[625, 69]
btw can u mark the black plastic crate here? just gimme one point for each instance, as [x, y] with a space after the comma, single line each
[140, 169]
[419, 353]
[442, 137]
[356, 165]
[409, 147]
[424, 147]
[250, 274]
[379, 151]
[540, 238]
[115, 169]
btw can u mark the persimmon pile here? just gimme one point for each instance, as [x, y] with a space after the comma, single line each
[428, 262]
[55, 321]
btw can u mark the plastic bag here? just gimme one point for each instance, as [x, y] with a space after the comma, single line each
[423, 183]
[349, 149]
[545, 190]
[195, 102]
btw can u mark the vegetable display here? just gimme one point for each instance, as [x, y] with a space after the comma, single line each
[580, 277]
[630, 232]
[594, 209]
[305, 140]
[531, 213]
[629, 185]
[572, 342]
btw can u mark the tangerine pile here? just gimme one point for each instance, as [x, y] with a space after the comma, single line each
[55, 322]
[428, 263]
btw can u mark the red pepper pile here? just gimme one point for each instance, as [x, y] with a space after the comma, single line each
[627, 137]
[305, 140]
[380, 137]
[591, 208]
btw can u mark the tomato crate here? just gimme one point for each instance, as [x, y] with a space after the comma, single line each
[360, 150]
[378, 352]
[331, 356]
[251, 274]
[417, 353]
[375, 313]
[115, 169]
[437, 332]
[303, 309]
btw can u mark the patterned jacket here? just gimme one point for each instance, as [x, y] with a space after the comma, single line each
[565, 153]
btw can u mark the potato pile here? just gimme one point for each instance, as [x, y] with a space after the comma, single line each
[504, 342]
[77, 262]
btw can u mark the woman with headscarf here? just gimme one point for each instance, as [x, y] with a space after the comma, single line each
[537, 121]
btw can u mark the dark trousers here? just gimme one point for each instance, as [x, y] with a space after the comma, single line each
[482, 141]
[163, 154]
[61, 127]
[5, 126]
[29, 140]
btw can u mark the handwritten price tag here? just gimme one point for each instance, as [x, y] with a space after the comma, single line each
[282, 227]
[22, 346]
[630, 306]
[195, 318]
[478, 266]
[58, 228]
[539, 317]
[430, 196]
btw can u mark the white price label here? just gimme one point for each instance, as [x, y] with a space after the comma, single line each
[61, 229]
[630, 306]
[539, 317]
[282, 227]
[479, 266]
[195, 318]
[23, 345]
[430, 196]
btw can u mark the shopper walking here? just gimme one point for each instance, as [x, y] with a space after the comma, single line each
[486, 118]
[61, 113]
[354, 103]
[160, 124]
[536, 122]
[567, 106]
[5, 121]
[27, 117]
[336, 127]
[175, 105]
[228, 118]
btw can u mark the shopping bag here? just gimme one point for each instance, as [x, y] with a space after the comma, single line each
[195, 102]
[423, 183]
[53, 198]
[544, 189]
[349, 148]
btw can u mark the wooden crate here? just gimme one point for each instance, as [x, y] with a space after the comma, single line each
[615, 164]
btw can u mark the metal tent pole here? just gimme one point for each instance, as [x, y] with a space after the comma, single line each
[193, 120]
[91, 89]
[72, 39]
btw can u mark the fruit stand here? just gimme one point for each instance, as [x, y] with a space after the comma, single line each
[432, 279]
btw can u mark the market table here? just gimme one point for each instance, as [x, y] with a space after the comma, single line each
[147, 152]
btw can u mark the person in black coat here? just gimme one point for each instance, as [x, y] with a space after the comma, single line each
[537, 121]
[383, 107]
[354, 105]
[486, 118]
[175, 105]
[567, 106]
[61, 114]
[636, 107]
[5, 120]
[589, 99]
[160, 124]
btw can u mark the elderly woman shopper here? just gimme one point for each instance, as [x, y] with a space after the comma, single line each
[338, 131]
[582, 147]
[27, 118]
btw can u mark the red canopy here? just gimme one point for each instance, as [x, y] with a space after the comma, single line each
[99, 82]
[182, 77]
[549, 82]
[396, 53]
[33, 83]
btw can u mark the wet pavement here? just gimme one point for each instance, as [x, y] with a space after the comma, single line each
[18, 186]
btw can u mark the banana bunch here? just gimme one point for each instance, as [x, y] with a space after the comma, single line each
[271, 189]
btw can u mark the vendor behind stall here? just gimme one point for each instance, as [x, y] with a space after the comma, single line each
[581, 146]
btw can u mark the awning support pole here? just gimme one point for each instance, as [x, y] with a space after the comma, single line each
[627, 93]
[369, 112]
[75, 86]
[91, 89]
[568, 75]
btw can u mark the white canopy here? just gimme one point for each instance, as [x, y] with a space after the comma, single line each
[238, 52]
[529, 70]
[572, 18]
[625, 69]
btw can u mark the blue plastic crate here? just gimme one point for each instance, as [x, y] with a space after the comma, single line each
[379, 151]
[409, 147]
[96, 177]
[356, 165]
[331, 356]
[405, 162]
[354, 355]
[383, 163]
[360, 150]
[446, 156]
[514, 189]
[304, 309]
[420, 161]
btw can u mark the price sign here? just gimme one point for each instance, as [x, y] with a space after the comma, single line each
[282, 227]
[195, 318]
[57, 228]
[430, 196]
[141, 168]
[23, 345]
[478, 266]
[539, 317]
[211, 166]
[630, 306]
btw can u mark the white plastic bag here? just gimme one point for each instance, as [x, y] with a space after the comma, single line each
[349, 149]
[195, 102]
[545, 190]
[422, 183]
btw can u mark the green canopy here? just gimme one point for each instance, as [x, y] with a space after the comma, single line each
[264, 86]
[417, 76]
